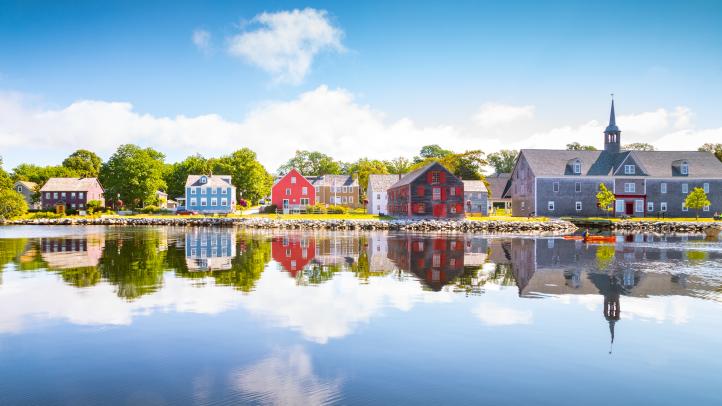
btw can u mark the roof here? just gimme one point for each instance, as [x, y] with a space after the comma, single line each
[474, 186]
[332, 180]
[69, 184]
[212, 180]
[549, 162]
[27, 184]
[612, 127]
[380, 183]
[413, 175]
[497, 184]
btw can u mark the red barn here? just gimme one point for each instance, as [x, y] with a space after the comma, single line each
[293, 192]
[430, 191]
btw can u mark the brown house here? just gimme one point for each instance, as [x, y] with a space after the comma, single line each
[339, 190]
[430, 191]
[71, 193]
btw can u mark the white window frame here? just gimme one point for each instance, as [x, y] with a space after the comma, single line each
[80, 195]
[639, 206]
[578, 206]
[550, 205]
[350, 199]
[555, 187]
[685, 188]
[684, 207]
[629, 169]
[19, 189]
[304, 191]
[293, 180]
[650, 207]
[452, 191]
[72, 195]
[304, 201]
[288, 191]
[684, 168]
[630, 187]
[204, 202]
[663, 207]
[224, 202]
[55, 195]
[705, 186]
[663, 187]
[577, 168]
[194, 202]
[705, 208]
[286, 204]
[193, 190]
[47, 195]
[214, 201]
[436, 193]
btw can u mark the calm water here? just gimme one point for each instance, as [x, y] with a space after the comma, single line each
[220, 316]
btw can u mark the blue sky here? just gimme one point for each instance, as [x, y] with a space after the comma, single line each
[412, 71]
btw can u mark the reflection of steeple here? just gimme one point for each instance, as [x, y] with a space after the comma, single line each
[611, 287]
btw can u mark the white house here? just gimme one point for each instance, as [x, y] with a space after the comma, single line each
[376, 192]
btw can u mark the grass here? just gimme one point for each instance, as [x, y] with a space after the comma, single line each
[507, 218]
[347, 216]
[616, 219]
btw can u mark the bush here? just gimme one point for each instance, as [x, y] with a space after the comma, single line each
[318, 208]
[270, 209]
[150, 209]
[12, 204]
[243, 203]
[93, 206]
[337, 210]
[45, 215]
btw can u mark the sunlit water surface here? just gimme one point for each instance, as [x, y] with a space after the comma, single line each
[94, 315]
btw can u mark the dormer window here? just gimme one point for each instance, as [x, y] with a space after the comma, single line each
[577, 167]
[204, 180]
[684, 168]
[629, 169]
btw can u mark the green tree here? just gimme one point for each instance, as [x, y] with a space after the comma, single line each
[41, 174]
[430, 152]
[575, 146]
[176, 174]
[639, 146]
[605, 199]
[312, 163]
[716, 149]
[135, 265]
[85, 164]
[5, 181]
[250, 178]
[503, 161]
[12, 204]
[133, 173]
[398, 166]
[365, 167]
[696, 200]
[466, 165]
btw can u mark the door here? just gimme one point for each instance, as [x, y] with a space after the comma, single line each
[629, 208]
[439, 210]
[285, 203]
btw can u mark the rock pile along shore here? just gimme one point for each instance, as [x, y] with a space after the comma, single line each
[664, 226]
[525, 227]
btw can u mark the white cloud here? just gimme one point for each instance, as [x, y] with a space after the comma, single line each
[286, 42]
[202, 40]
[495, 114]
[494, 315]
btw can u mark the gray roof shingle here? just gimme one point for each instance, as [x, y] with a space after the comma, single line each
[69, 184]
[497, 184]
[381, 183]
[332, 180]
[213, 180]
[474, 186]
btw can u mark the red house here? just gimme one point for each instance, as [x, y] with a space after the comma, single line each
[293, 192]
[430, 191]
[293, 252]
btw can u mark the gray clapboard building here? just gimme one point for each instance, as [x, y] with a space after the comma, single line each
[645, 183]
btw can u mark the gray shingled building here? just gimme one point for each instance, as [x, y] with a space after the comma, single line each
[645, 183]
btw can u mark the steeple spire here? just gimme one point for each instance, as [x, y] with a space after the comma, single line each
[612, 118]
[612, 135]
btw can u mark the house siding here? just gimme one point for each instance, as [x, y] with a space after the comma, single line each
[278, 192]
[406, 199]
[209, 195]
[476, 202]
[522, 189]
[350, 198]
[566, 198]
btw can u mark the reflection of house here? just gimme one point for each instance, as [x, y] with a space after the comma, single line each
[69, 253]
[435, 260]
[210, 249]
[337, 250]
[293, 252]
[475, 252]
[377, 251]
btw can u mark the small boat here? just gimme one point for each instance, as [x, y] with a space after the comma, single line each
[592, 238]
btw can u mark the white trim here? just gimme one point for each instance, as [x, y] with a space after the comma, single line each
[650, 207]
[663, 207]
[578, 206]
[550, 205]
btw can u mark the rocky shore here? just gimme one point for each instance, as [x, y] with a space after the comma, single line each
[521, 227]
[665, 226]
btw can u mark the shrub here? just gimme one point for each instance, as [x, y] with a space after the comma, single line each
[243, 203]
[336, 210]
[270, 209]
[318, 208]
[45, 215]
[150, 209]
[93, 206]
[12, 204]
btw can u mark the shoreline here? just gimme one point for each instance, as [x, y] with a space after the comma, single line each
[501, 226]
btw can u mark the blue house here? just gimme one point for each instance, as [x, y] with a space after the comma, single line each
[210, 194]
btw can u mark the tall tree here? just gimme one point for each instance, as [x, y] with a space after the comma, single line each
[639, 146]
[431, 152]
[605, 199]
[250, 178]
[41, 174]
[697, 200]
[365, 167]
[12, 204]
[5, 181]
[134, 174]
[86, 164]
[575, 146]
[312, 163]
[503, 161]
[176, 174]
[398, 166]
[716, 149]
[466, 165]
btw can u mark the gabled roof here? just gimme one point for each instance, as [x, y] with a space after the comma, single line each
[381, 183]
[28, 185]
[69, 184]
[413, 175]
[497, 184]
[660, 163]
[294, 171]
[212, 180]
[332, 180]
[474, 186]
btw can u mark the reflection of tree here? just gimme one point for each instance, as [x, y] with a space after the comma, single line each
[80, 277]
[317, 274]
[696, 256]
[134, 264]
[605, 256]
[247, 266]
[10, 250]
[473, 279]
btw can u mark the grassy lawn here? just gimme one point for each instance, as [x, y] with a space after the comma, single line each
[615, 220]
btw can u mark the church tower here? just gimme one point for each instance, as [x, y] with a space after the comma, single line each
[612, 135]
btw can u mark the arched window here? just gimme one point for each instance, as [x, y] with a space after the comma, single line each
[684, 168]
[577, 167]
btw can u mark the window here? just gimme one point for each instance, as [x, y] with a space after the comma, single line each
[436, 193]
[650, 206]
[629, 169]
[193, 190]
[685, 188]
[453, 209]
[204, 202]
[304, 190]
[436, 261]
[194, 202]
[62, 194]
[629, 187]
[318, 189]
[72, 195]
[304, 201]
[577, 167]
[420, 208]
[435, 177]
[578, 206]
[550, 206]
[705, 186]
[72, 205]
[55, 195]
[343, 199]
[555, 187]
[214, 202]
[578, 187]
[293, 179]
[663, 206]
[204, 179]
[684, 169]
[684, 207]
[80, 195]
[639, 206]
[224, 202]
[20, 189]
[378, 195]
[662, 188]
[705, 208]
[203, 190]
[288, 191]
[378, 207]
[350, 199]
[285, 203]
[344, 189]
[452, 191]
[224, 191]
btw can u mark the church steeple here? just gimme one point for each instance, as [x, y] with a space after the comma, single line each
[612, 135]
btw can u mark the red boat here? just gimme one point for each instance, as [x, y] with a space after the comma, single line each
[592, 238]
